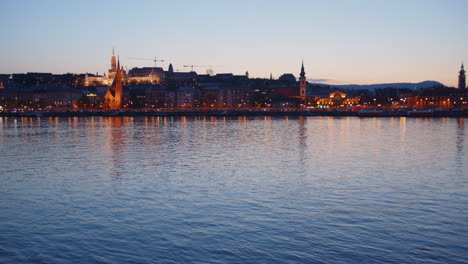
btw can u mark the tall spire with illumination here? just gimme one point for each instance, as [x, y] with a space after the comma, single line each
[114, 96]
[118, 86]
[113, 63]
[462, 78]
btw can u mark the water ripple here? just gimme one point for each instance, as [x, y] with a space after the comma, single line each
[221, 190]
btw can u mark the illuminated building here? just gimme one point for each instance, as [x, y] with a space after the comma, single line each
[337, 99]
[97, 80]
[114, 95]
[439, 98]
[430, 101]
[106, 80]
[145, 75]
[462, 78]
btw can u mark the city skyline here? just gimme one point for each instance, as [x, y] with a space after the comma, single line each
[362, 42]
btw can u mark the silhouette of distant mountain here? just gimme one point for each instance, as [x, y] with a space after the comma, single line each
[412, 86]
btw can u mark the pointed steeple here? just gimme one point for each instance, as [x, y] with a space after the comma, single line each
[119, 70]
[462, 78]
[114, 96]
[303, 84]
[302, 69]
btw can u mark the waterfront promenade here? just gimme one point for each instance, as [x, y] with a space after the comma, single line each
[246, 112]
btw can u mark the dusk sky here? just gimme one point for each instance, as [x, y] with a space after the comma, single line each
[361, 41]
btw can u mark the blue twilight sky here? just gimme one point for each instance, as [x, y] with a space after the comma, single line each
[343, 41]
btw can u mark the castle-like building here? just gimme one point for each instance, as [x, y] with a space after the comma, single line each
[98, 80]
[151, 75]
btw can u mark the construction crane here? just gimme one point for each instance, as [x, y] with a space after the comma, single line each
[191, 66]
[155, 60]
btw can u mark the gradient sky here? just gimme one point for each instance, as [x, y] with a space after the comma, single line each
[360, 41]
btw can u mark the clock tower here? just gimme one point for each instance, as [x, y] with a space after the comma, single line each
[462, 78]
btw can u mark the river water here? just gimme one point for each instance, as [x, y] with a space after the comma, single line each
[233, 190]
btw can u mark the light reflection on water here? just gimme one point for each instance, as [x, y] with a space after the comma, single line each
[243, 190]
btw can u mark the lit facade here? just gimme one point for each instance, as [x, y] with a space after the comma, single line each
[337, 99]
[430, 101]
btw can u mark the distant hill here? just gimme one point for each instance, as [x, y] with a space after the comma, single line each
[412, 86]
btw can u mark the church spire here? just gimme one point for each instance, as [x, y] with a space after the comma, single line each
[302, 69]
[303, 84]
[462, 78]
[114, 96]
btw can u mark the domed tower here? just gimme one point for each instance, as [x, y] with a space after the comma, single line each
[462, 78]
[302, 83]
